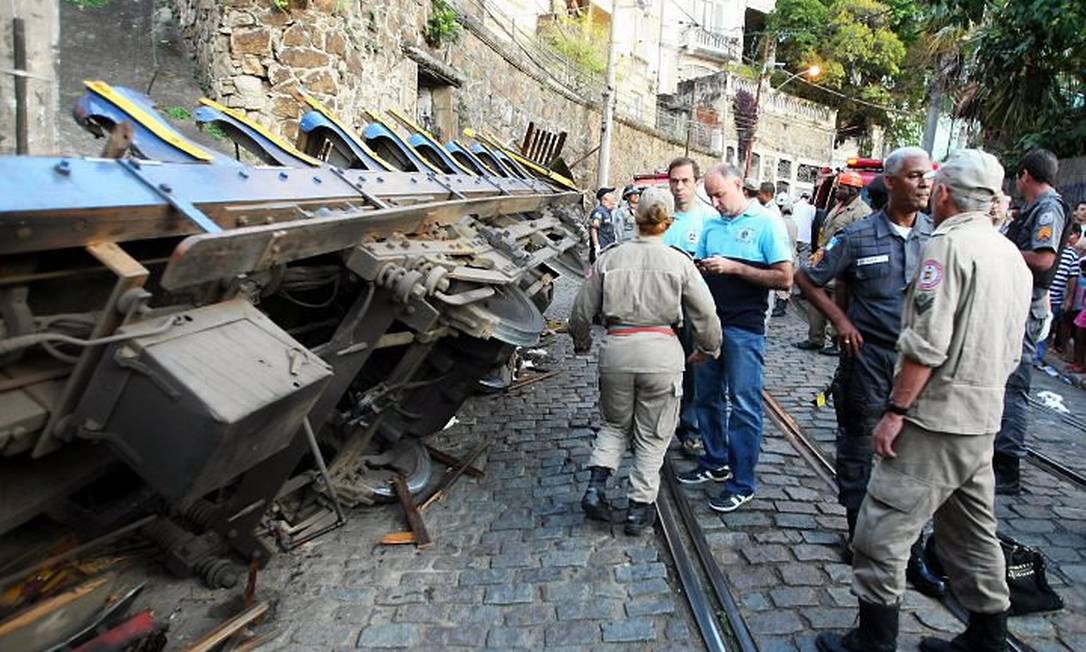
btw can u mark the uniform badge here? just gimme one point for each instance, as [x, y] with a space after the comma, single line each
[1047, 218]
[1043, 233]
[931, 275]
[923, 301]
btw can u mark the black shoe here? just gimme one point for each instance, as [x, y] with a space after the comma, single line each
[877, 632]
[729, 502]
[639, 517]
[985, 633]
[701, 474]
[1007, 475]
[807, 345]
[594, 503]
[830, 349]
[922, 578]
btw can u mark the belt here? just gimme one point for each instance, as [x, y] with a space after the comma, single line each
[631, 330]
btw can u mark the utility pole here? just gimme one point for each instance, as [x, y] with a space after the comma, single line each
[935, 106]
[603, 170]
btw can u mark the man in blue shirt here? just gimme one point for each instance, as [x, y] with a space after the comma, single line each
[743, 253]
[690, 213]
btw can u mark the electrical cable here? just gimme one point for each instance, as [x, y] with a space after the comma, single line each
[23, 341]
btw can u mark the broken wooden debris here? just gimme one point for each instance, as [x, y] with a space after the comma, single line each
[224, 631]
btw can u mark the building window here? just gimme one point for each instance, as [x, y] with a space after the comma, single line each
[729, 155]
[755, 166]
[784, 169]
[783, 186]
[806, 173]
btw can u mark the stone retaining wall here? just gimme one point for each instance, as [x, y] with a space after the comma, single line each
[253, 56]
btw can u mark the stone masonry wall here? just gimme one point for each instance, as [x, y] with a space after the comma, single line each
[349, 55]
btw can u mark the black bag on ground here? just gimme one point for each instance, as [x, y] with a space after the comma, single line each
[1026, 578]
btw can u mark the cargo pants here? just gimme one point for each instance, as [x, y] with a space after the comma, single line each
[644, 408]
[948, 476]
[863, 388]
[1011, 439]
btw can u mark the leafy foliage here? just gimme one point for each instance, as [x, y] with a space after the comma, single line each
[443, 25]
[89, 4]
[862, 47]
[578, 40]
[1027, 76]
[177, 112]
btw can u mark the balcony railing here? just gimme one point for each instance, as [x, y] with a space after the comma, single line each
[714, 44]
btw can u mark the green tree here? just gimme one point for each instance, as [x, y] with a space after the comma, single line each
[1027, 76]
[862, 47]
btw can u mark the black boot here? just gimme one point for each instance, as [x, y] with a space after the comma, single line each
[595, 503]
[639, 517]
[850, 516]
[921, 577]
[985, 633]
[1006, 474]
[877, 632]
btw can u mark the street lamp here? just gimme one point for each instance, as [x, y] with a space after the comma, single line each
[812, 71]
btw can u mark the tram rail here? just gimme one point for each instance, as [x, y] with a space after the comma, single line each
[821, 464]
[712, 603]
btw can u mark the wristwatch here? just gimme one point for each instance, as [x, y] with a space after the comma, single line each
[894, 408]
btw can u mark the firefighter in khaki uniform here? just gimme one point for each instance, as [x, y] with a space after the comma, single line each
[641, 288]
[960, 339]
[850, 208]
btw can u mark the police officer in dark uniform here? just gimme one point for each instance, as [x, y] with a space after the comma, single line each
[1040, 231]
[876, 257]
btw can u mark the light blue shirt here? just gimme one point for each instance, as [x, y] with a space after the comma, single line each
[754, 236]
[685, 231]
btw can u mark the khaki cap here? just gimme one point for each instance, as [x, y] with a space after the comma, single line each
[973, 173]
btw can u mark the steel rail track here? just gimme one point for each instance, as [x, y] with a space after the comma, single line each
[808, 449]
[1042, 461]
[737, 626]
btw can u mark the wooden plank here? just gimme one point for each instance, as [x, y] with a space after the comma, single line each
[453, 462]
[451, 478]
[228, 628]
[411, 513]
[398, 538]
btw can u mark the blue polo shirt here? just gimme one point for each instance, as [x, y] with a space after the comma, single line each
[753, 237]
[685, 231]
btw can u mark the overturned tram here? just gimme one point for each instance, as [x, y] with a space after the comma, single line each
[238, 340]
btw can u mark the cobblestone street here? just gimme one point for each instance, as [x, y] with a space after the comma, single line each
[516, 566]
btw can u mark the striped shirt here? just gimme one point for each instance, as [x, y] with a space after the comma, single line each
[1068, 261]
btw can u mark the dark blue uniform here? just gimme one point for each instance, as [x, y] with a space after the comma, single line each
[877, 263]
[1041, 226]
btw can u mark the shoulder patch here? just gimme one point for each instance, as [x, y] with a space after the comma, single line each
[1043, 233]
[1046, 218]
[834, 241]
[923, 301]
[931, 275]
